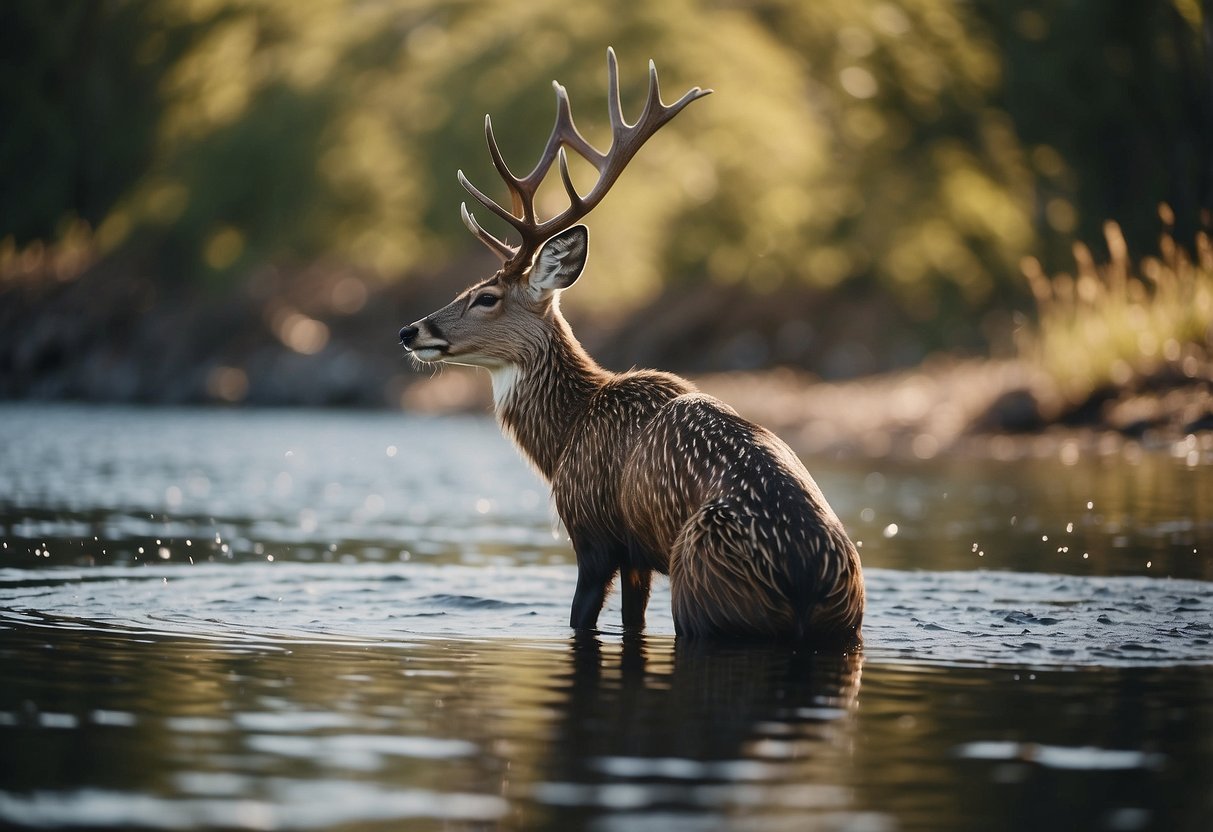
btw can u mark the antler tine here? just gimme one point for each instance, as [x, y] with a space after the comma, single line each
[654, 102]
[653, 99]
[487, 201]
[619, 125]
[571, 135]
[511, 181]
[693, 94]
[567, 180]
[626, 140]
[499, 247]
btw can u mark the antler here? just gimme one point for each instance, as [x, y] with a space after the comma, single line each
[626, 139]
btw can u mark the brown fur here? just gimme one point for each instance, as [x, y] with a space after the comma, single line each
[650, 475]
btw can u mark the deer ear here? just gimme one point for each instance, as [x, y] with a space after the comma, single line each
[559, 263]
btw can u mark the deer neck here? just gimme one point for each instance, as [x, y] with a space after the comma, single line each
[539, 401]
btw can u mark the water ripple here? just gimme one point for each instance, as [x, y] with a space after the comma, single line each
[988, 618]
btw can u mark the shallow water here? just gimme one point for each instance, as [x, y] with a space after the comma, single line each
[315, 620]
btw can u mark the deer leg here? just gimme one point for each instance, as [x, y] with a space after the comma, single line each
[588, 599]
[595, 571]
[635, 584]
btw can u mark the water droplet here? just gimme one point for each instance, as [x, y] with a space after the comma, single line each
[1090, 505]
[391, 450]
[1069, 453]
[1044, 538]
[890, 530]
[1069, 528]
[164, 553]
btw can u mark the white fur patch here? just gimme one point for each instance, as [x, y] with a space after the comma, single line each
[505, 379]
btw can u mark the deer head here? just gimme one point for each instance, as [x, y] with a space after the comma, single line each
[499, 322]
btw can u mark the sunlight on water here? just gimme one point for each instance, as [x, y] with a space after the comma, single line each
[918, 617]
[334, 620]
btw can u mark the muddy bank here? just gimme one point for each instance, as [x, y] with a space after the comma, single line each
[1005, 409]
[314, 337]
[326, 336]
[323, 334]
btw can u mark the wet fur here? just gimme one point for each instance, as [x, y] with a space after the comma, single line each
[649, 475]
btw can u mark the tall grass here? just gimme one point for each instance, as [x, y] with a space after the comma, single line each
[1112, 323]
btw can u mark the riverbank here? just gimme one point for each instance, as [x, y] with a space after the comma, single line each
[326, 337]
[1004, 409]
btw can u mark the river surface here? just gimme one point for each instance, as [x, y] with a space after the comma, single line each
[355, 621]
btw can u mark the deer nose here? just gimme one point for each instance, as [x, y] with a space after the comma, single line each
[408, 334]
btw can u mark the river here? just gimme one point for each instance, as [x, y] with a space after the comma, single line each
[258, 619]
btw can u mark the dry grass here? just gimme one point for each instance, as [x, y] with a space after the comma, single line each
[1113, 323]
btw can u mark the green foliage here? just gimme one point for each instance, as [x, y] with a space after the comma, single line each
[1113, 107]
[79, 109]
[860, 142]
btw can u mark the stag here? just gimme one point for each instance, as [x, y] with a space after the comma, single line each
[648, 474]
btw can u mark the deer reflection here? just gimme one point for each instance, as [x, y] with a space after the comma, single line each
[656, 723]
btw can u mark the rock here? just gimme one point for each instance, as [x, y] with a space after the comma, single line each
[1015, 411]
[1200, 424]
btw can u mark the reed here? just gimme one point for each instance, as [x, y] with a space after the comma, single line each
[1113, 323]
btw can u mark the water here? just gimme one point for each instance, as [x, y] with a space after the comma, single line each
[283, 620]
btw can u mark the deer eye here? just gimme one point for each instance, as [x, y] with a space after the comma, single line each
[487, 300]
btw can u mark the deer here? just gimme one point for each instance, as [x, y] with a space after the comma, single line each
[647, 473]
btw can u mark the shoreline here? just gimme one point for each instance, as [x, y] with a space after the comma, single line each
[1000, 409]
[106, 337]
